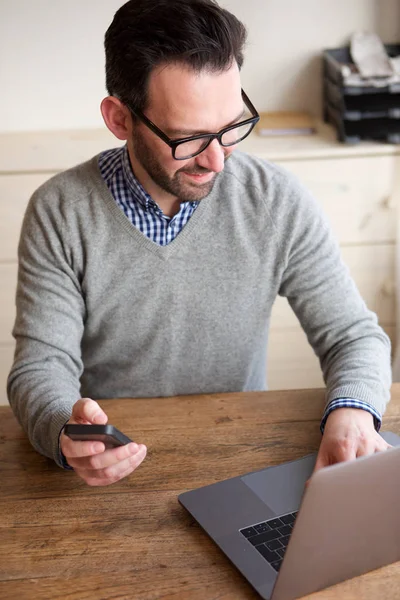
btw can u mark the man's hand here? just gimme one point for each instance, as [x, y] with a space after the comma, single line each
[349, 433]
[91, 460]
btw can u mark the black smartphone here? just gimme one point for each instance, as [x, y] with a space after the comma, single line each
[110, 435]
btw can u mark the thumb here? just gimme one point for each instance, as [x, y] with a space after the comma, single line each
[88, 411]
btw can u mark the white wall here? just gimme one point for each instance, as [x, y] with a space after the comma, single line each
[52, 62]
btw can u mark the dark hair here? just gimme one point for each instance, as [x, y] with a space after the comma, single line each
[147, 33]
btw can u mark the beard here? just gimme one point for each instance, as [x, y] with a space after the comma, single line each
[175, 184]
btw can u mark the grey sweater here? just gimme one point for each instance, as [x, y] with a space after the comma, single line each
[104, 312]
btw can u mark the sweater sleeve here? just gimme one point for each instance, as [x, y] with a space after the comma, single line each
[353, 350]
[44, 382]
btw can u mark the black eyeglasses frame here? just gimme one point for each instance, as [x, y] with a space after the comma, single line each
[174, 143]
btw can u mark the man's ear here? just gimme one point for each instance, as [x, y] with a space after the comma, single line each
[117, 117]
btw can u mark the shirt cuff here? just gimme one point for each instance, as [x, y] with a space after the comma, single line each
[63, 460]
[351, 403]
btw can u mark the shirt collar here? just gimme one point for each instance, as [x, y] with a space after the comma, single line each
[136, 188]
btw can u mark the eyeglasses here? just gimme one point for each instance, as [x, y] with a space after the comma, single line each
[188, 147]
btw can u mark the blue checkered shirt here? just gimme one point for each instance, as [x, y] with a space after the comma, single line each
[145, 214]
[135, 202]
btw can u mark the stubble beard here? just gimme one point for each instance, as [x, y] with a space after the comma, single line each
[184, 191]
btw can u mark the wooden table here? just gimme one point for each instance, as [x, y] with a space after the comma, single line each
[62, 539]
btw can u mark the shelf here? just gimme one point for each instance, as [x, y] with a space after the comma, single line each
[323, 144]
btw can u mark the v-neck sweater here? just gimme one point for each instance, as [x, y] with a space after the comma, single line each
[104, 312]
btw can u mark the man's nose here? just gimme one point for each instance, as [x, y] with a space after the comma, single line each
[212, 158]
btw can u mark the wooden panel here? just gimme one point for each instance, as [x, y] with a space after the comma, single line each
[8, 283]
[6, 358]
[356, 193]
[15, 191]
[292, 363]
[373, 269]
[47, 151]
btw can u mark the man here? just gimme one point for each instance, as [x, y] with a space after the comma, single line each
[151, 270]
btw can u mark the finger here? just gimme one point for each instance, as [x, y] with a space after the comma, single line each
[335, 451]
[72, 449]
[382, 445]
[115, 472]
[372, 446]
[107, 458]
[342, 450]
[95, 482]
[368, 444]
[388, 446]
[87, 410]
[322, 461]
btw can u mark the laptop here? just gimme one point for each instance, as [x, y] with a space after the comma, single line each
[289, 539]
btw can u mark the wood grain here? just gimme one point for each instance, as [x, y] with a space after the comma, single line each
[62, 539]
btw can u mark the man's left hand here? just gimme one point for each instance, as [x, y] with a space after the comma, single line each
[348, 434]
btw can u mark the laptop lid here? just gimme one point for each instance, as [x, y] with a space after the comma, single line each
[223, 509]
[348, 524]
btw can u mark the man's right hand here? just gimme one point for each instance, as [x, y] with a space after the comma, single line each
[95, 464]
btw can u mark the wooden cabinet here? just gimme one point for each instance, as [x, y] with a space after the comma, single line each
[356, 193]
[292, 363]
[359, 196]
[15, 191]
[357, 188]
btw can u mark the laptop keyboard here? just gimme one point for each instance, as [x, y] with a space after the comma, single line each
[271, 537]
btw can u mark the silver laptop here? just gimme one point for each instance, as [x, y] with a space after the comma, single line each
[289, 539]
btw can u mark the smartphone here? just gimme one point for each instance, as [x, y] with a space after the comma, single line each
[110, 435]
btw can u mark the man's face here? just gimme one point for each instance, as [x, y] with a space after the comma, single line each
[181, 104]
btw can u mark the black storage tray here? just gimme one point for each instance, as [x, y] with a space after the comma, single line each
[356, 107]
[352, 132]
[334, 58]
